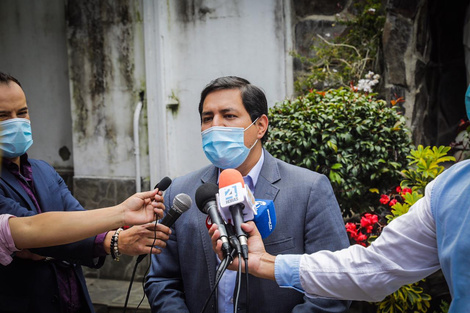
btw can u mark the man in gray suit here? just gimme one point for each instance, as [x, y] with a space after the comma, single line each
[234, 124]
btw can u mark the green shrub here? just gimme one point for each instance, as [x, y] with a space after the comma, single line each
[339, 60]
[358, 141]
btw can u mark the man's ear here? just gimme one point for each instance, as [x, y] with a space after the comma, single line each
[262, 124]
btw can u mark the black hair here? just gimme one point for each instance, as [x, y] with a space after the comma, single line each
[5, 79]
[253, 98]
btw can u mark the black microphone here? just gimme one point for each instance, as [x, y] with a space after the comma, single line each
[207, 204]
[163, 184]
[237, 216]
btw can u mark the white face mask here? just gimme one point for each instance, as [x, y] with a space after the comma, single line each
[225, 146]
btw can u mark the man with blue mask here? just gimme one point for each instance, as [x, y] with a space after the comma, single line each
[433, 235]
[48, 280]
[234, 125]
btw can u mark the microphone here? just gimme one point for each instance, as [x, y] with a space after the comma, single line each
[163, 184]
[232, 193]
[207, 204]
[265, 218]
[181, 203]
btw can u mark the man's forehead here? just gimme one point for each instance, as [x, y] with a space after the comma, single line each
[12, 97]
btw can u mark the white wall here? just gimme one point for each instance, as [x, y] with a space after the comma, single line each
[189, 43]
[33, 49]
[186, 43]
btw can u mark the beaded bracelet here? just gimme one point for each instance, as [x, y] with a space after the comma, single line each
[114, 248]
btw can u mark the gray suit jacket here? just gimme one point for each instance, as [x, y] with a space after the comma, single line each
[308, 220]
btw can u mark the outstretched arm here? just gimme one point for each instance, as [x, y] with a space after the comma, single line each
[56, 228]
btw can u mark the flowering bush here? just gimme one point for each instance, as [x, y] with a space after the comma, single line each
[367, 227]
[358, 141]
[367, 83]
[424, 166]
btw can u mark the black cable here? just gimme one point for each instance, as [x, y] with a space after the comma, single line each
[135, 268]
[220, 271]
[239, 282]
[247, 287]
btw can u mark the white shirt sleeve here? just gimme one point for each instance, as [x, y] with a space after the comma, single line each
[404, 253]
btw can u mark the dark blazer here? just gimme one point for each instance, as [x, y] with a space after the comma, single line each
[31, 286]
[308, 220]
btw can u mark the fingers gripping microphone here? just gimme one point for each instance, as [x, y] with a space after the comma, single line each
[232, 192]
[207, 204]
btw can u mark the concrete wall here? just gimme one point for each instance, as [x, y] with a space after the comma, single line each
[33, 49]
[189, 43]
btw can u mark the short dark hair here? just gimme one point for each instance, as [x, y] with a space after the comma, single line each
[5, 79]
[253, 98]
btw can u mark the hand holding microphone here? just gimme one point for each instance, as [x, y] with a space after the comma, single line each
[261, 262]
[207, 204]
[181, 203]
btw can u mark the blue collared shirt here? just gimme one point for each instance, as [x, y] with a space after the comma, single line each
[286, 271]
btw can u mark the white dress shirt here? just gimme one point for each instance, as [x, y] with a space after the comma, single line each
[405, 252]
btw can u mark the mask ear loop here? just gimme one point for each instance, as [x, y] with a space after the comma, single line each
[249, 127]
[251, 123]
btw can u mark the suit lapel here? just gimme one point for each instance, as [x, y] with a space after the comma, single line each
[210, 176]
[265, 188]
[12, 181]
[41, 187]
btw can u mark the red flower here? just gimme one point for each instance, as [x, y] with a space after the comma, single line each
[368, 221]
[393, 202]
[351, 228]
[405, 191]
[384, 199]
[398, 189]
[361, 237]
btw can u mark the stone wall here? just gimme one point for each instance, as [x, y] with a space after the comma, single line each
[423, 58]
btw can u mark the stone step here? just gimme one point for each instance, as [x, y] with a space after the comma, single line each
[109, 296]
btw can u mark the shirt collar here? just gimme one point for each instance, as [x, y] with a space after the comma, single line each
[12, 166]
[254, 172]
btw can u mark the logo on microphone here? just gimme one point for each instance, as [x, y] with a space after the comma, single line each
[231, 194]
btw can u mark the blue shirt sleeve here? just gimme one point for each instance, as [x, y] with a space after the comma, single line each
[286, 271]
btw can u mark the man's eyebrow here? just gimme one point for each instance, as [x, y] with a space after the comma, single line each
[226, 110]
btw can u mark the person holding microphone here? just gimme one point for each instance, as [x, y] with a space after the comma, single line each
[433, 235]
[57, 228]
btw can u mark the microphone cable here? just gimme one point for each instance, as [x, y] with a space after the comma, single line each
[146, 272]
[239, 283]
[247, 287]
[220, 271]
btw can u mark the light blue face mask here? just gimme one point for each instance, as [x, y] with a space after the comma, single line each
[225, 146]
[15, 137]
[467, 102]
